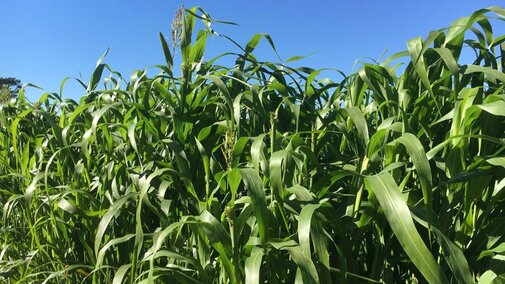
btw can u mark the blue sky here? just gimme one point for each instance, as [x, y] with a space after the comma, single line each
[44, 41]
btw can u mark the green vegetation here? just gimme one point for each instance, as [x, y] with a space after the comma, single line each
[260, 172]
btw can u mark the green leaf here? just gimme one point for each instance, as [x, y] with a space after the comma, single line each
[304, 263]
[497, 161]
[234, 179]
[399, 218]
[258, 155]
[416, 152]
[187, 32]
[299, 57]
[97, 73]
[452, 253]
[253, 266]
[255, 190]
[104, 222]
[449, 60]
[416, 51]
[488, 277]
[103, 250]
[494, 108]
[166, 52]
[131, 135]
[276, 172]
[491, 73]
[120, 273]
[253, 43]
[359, 121]
[198, 48]
[304, 222]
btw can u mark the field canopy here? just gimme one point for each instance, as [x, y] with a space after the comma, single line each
[260, 172]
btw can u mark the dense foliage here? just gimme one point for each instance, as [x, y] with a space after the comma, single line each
[260, 172]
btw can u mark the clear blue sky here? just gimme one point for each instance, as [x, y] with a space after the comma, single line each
[44, 41]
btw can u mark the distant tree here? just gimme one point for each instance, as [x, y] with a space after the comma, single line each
[9, 88]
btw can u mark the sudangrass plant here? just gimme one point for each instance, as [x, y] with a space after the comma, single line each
[264, 173]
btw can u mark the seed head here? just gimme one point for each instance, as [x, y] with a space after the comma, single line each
[177, 26]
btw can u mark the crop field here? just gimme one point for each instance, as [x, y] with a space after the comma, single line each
[263, 173]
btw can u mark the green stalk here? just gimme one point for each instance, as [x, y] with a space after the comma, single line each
[273, 117]
[357, 202]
